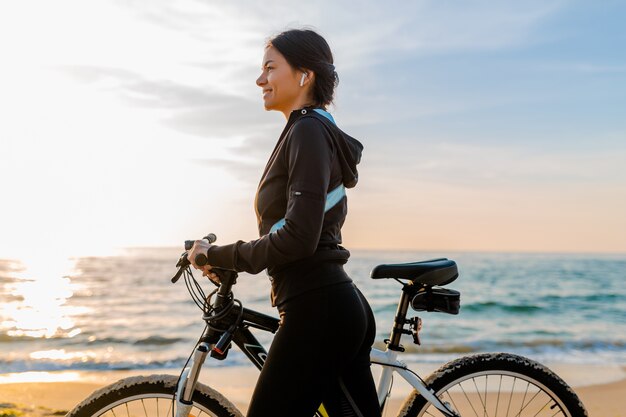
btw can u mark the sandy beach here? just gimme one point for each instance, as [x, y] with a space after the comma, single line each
[601, 388]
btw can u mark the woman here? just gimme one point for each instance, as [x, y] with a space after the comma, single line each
[301, 206]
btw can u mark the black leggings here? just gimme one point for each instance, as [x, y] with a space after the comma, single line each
[320, 354]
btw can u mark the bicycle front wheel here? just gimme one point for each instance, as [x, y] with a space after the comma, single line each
[497, 385]
[151, 396]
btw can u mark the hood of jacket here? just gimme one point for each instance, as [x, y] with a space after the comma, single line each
[349, 149]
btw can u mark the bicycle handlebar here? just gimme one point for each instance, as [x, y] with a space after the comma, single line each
[226, 276]
[220, 328]
[200, 259]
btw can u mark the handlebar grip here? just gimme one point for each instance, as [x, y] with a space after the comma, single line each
[201, 259]
[210, 237]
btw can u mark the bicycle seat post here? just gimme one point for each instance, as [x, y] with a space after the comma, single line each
[393, 343]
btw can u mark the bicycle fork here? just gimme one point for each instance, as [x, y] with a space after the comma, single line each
[188, 380]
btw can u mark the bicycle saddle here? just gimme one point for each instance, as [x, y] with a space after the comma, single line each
[433, 272]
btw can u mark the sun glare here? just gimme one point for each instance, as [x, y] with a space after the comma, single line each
[38, 296]
[40, 377]
[61, 354]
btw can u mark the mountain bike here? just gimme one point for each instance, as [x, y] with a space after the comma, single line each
[488, 384]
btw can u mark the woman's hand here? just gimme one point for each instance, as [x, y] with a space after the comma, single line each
[202, 247]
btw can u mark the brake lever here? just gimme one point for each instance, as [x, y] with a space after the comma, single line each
[182, 264]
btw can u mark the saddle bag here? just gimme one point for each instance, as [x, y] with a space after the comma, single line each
[437, 299]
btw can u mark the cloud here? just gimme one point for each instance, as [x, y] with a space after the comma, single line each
[226, 119]
[491, 168]
[143, 91]
[203, 57]
[371, 32]
[248, 171]
[582, 67]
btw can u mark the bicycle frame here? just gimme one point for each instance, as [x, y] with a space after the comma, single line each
[257, 354]
[390, 364]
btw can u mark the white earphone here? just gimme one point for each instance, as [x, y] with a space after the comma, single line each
[304, 74]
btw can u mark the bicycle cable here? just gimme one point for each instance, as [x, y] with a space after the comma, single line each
[195, 290]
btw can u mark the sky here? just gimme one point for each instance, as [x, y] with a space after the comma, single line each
[488, 126]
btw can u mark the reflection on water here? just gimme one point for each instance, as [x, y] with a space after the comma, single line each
[40, 377]
[37, 292]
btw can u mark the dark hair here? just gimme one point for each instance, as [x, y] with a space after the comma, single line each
[305, 49]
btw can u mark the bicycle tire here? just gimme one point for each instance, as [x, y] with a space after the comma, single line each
[143, 395]
[518, 387]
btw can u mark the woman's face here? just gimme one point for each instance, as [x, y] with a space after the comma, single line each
[281, 83]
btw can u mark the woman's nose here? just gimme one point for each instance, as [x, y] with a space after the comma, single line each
[261, 80]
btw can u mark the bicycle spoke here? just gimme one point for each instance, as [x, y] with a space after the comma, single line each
[145, 412]
[531, 392]
[523, 399]
[479, 397]
[530, 401]
[468, 400]
[498, 395]
[544, 408]
[486, 385]
[453, 403]
[171, 408]
[511, 396]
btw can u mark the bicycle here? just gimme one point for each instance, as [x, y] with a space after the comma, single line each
[488, 384]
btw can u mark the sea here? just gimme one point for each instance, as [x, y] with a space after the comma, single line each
[121, 312]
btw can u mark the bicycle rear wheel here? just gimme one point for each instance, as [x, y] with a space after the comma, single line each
[497, 385]
[151, 396]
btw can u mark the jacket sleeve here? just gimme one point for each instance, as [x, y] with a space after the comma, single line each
[309, 155]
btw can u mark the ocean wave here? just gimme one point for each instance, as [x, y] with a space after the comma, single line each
[583, 345]
[12, 298]
[164, 351]
[158, 341]
[94, 341]
[544, 350]
[6, 338]
[12, 366]
[412, 348]
[538, 345]
[146, 341]
[587, 298]
[494, 305]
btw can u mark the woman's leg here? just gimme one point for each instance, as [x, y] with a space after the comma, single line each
[321, 345]
[355, 392]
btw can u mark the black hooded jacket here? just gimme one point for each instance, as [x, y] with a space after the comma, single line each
[312, 157]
